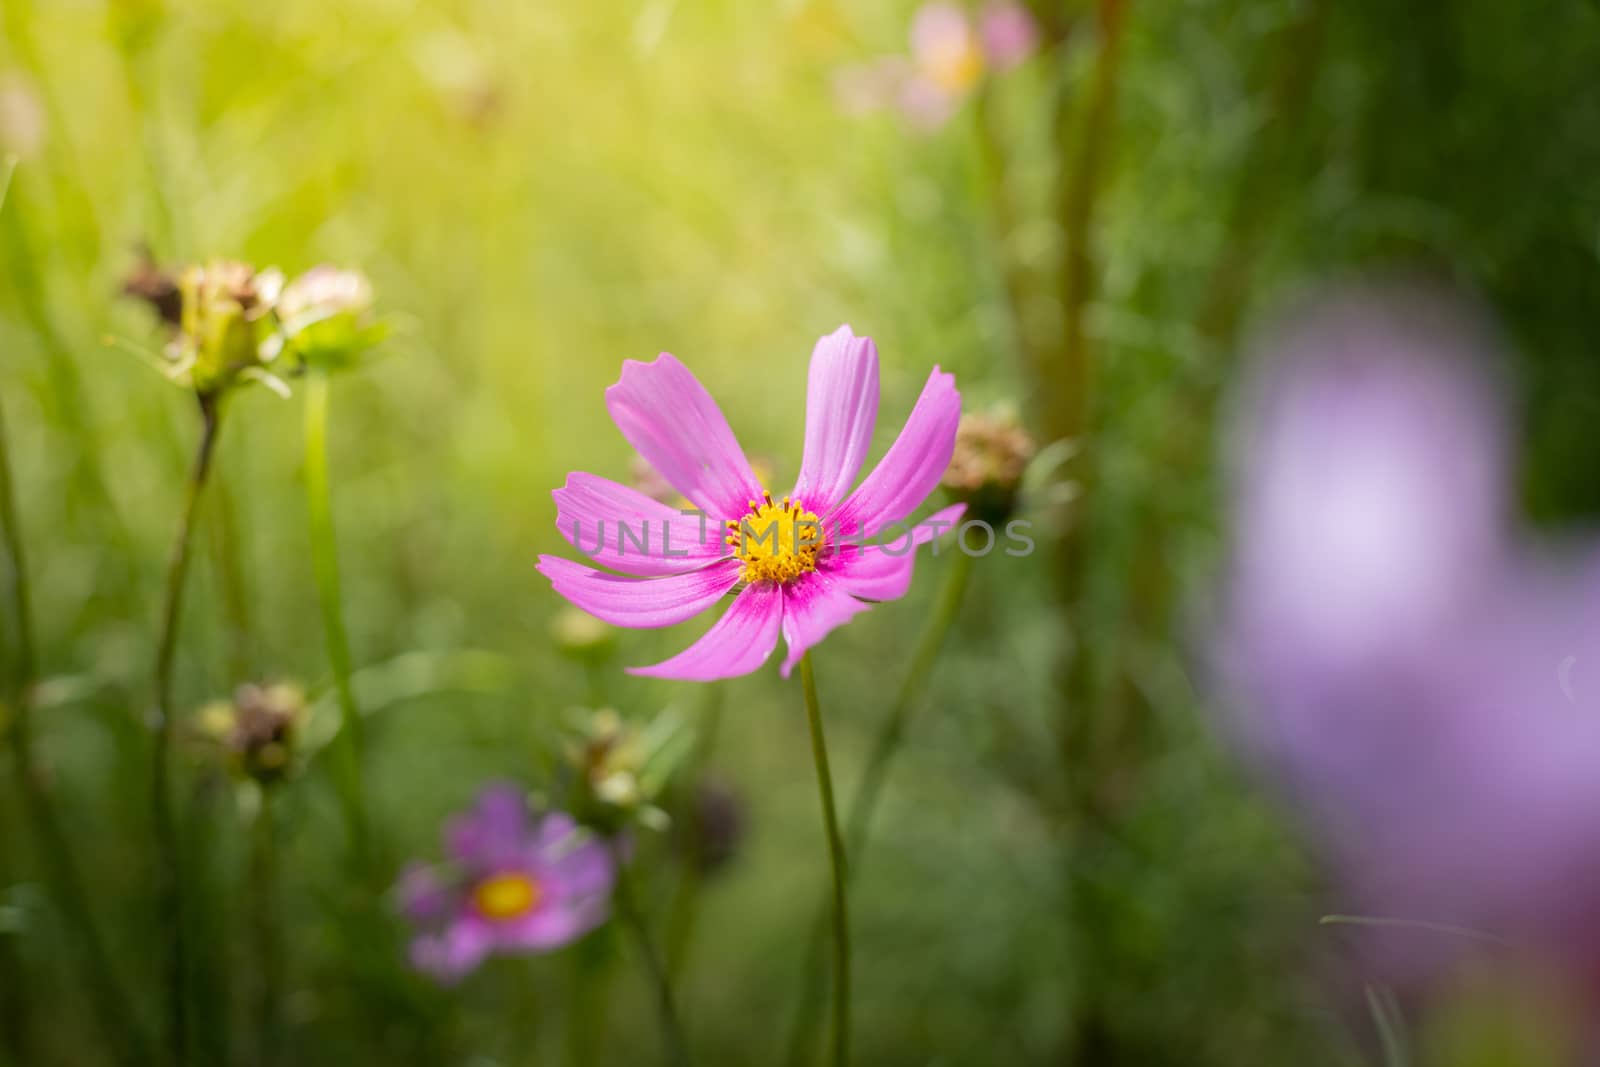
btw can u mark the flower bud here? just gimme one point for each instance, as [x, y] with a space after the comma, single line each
[607, 755]
[258, 729]
[326, 317]
[221, 325]
[709, 833]
[991, 455]
[621, 768]
[582, 636]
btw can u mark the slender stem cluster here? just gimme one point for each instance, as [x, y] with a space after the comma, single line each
[110, 1002]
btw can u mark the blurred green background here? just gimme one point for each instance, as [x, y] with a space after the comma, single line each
[540, 191]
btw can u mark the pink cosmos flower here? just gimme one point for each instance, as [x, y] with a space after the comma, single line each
[804, 565]
[514, 884]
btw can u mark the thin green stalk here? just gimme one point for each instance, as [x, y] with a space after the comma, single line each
[586, 1011]
[13, 1007]
[836, 859]
[869, 789]
[686, 901]
[864, 804]
[233, 587]
[168, 846]
[666, 1003]
[325, 558]
[16, 1035]
[265, 931]
[111, 1005]
[1448, 929]
[1390, 1024]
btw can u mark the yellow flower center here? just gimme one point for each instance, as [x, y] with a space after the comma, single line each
[778, 543]
[505, 896]
[955, 66]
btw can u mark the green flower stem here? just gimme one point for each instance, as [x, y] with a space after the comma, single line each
[111, 1004]
[686, 901]
[841, 875]
[16, 1035]
[325, 558]
[265, 932]
[168, 847]
[869, 788]
[226, 551]
[666, 1004]
[864, 804]
[584, 1014]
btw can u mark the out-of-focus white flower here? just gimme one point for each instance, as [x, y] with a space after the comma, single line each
[23, 125]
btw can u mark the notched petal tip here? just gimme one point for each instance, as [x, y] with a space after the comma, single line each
[636, 366]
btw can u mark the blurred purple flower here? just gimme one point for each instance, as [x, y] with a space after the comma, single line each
[513, 883]
[1411, 672]
[950, 54]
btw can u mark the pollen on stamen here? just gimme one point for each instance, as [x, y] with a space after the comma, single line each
[770, 543]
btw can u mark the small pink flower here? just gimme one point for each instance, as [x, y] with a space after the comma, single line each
[950, 54]
[1009, 35]
[514, 884]
[806, 563]
[946, 48]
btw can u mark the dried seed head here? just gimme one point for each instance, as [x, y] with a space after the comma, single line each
[147, 281]
[222, 323]
[258, 729]
[991, 455]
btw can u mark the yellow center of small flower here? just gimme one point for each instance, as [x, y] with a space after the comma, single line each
[778, 542]
[505, 896]
[955, 66]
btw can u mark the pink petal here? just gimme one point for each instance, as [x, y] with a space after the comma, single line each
[925, 105]
[1009, 34]
[883, 572]
[640, 602]
[813, 607]
[913, 465]
[554, 923]
[841, 408]
[491, 832]
[667, 415]
[939, 28]
[451, 954]
[740, 642]
[592, 510]
[583, 867]
[425, 896]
